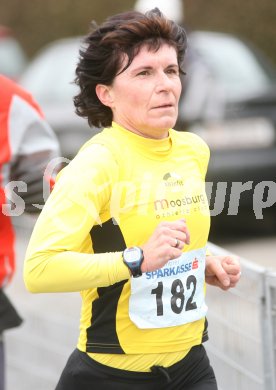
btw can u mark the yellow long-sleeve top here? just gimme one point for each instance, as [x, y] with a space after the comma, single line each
[112, 195]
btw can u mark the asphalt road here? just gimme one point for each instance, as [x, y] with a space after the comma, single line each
[36, 351]
[260, 249]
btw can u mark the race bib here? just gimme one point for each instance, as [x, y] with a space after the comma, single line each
[172, 295]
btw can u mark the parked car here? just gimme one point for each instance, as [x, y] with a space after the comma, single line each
[13, 58]
[229, 98]
[49, 77]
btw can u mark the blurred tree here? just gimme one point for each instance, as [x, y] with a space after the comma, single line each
[36, 22]
[249, 19]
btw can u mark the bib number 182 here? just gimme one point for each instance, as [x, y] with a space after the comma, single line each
[177, 297]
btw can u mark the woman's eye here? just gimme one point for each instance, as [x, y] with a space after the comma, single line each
[143, 73]
[172, 71]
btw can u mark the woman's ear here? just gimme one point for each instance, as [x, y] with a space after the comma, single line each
[104, 95]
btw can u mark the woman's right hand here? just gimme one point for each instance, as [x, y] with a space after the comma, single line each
[166, 243]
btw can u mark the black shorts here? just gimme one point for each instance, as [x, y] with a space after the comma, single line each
[191, 373]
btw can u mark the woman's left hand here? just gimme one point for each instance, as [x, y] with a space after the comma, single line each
[222, 271]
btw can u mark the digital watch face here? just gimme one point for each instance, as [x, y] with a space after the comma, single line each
[132, 255]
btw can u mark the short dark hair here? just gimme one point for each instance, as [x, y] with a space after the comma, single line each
[105, 48]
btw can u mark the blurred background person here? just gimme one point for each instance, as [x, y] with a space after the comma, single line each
[27, 144]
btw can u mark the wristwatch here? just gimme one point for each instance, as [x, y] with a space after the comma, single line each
[133, 258]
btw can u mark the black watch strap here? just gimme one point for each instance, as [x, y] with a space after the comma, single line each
[136, 271]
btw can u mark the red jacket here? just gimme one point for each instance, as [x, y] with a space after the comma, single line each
[27, 144]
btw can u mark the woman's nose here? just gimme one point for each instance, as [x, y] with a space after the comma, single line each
[163, 82]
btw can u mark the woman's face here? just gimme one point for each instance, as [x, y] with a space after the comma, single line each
[144, 98]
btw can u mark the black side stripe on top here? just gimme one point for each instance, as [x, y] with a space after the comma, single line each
[205, 336]
[101, 335]
[107, 237]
